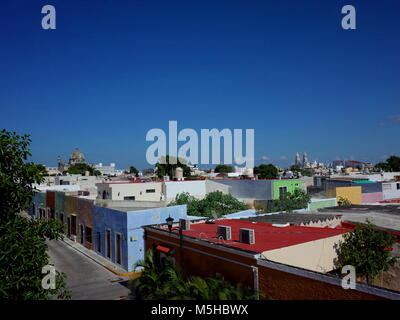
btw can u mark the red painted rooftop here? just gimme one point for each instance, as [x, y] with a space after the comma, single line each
[267, 237]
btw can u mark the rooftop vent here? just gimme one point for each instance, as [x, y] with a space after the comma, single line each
[184, 224]
[225, 232]
[247, 236]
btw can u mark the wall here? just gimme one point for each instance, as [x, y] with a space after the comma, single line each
[248, 189]
[84, 209]
[390, 190]
[137, 219]
[289, 183]
[369, 187]
[117, 191]
[316, 204]
[129, 203]
[59, 203]
[116, 221]
[315, 255]
[213, 185]
[195, 188]
[372, 197]
[353, 194]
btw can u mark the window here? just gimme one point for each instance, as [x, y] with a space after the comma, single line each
[129, 198]
[61, 216]
[150, 190]
[398, 186]
[73, 225]
[88, 232]
[98, 242]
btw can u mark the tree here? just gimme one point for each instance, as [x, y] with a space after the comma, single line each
[81, 168]
[23, 240]
[42, 169]
[392, 164]
[302, 171]
[166, 281]
[343, 202]
[297, 199]
[221, 168]
[266, 171]
[216, 201]
[133, 170]
[166, 166]
[366, 248]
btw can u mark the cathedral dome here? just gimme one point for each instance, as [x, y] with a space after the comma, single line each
[77, 157]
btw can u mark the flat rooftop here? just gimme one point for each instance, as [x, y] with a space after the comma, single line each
[384, 216]
[292, 218]
[267, 237]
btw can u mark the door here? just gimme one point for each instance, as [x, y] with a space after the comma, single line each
[68, 226]
[108, 244]
[73, 225]
[81, 233]
[118, 248]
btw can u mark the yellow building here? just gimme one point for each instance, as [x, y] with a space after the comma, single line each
[353, 194]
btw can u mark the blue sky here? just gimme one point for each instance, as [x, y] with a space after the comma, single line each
[112, 70]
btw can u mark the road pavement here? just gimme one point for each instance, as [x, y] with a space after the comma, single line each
[86, 279]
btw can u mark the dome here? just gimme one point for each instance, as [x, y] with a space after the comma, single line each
[77, 157]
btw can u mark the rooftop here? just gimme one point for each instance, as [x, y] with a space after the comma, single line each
[267, 237]
[292, 218]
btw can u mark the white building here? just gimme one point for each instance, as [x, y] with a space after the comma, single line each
[130, 190]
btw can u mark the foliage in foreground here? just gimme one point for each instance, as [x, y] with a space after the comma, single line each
[216, 201]
[23, 250]
[166, 282]
[366, 248]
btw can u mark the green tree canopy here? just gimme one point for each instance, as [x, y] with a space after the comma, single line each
[216, 201]
[266, 171]
[366, 248]
[166, 166]
[81, 168]
[133, 170]
[23, 240]
[222, 168]
[392, 164]
[295, 200]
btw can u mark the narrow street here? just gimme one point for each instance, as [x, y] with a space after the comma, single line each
[86, 279]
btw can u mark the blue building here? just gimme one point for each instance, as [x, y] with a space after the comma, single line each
[118, 233]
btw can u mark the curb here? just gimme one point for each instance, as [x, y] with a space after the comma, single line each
[134, 275]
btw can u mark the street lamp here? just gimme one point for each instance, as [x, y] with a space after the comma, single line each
[169, 223]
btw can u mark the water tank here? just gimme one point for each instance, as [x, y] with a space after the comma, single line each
[179, 173]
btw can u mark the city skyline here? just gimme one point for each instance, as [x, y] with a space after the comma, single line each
[108, 74]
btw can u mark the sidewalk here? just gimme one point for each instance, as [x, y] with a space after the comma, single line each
[112, 267]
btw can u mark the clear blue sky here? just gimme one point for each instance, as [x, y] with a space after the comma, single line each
[112, 70]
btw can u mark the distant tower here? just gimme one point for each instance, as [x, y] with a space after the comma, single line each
[297, 161]
[305, 160]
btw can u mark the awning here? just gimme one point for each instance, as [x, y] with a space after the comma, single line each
[163, 249]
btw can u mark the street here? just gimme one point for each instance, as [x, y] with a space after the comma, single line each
[86, 279]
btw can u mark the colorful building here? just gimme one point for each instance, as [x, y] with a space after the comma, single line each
[203, 251]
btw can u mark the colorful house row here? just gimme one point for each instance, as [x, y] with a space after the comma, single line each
[113, 232]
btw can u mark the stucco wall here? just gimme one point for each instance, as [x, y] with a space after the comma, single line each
[315, 255]
[249, 189]
[316, 204]
[390, 191]
[372, 197]
[137, 219]
[195, 188]
[117, 191]
[353, 194]
[291, 185]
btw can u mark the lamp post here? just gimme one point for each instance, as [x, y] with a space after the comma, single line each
[169, 223]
